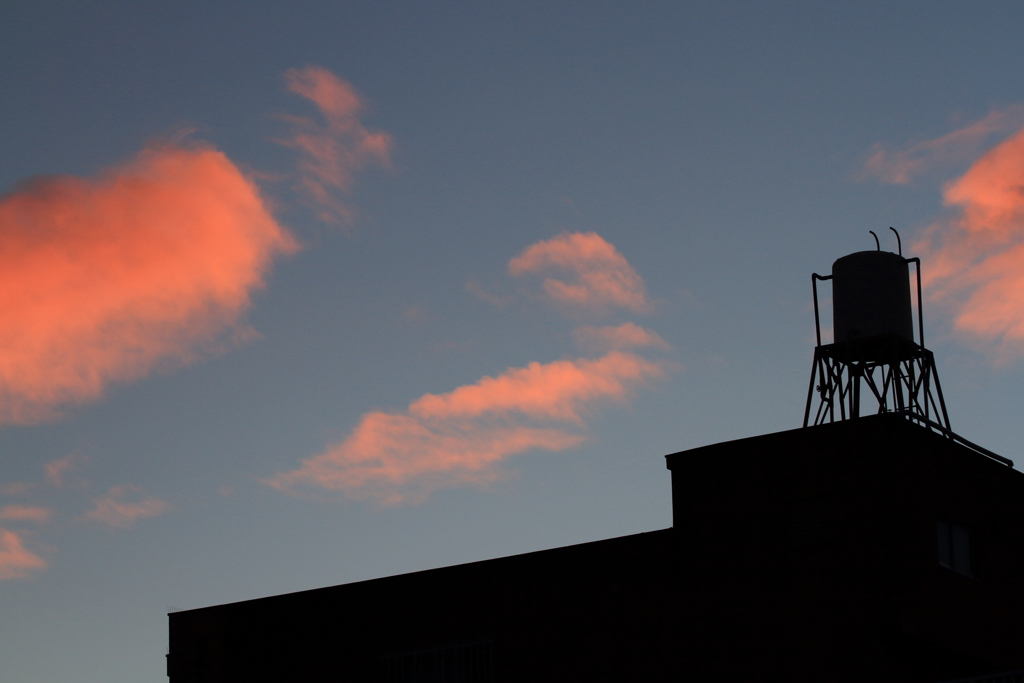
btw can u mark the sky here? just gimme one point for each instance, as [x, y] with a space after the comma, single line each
[299, 294]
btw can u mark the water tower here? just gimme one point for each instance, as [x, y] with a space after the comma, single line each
[874, 355]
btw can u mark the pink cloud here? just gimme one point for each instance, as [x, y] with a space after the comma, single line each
[975, 259]
[56, 470]
[598, 275]
[16, 488]
[148, 266]
[553, 391]
[461, 437]
[122, 505]
[333, 151]
[23, 513]
[398, 459]
[900, 165]
[617, 337]
[474, 287]
[17, 562]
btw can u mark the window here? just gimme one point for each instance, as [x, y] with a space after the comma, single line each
[954, 547]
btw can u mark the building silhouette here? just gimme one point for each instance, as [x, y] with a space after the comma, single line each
[880, 548]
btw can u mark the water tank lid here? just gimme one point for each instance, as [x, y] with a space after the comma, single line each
[868, 256]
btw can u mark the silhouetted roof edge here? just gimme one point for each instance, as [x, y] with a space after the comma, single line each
[655, 535]
[865, 423]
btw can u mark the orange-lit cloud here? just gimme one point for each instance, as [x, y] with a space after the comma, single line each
[598, 276]
[17, 562]
[975, 260]
[332, 151]
[16, 488]
[474, 287]
[122, 505]
[146, 266]
[461, 437]
[24, 513]
[617, 337]
[900, 165]
[553, 391]
[57, 470]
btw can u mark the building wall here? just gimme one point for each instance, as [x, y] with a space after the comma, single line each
[832, 532]
[586, 610]
[806, 555]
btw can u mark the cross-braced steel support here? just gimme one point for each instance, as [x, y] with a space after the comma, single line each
[905, 380]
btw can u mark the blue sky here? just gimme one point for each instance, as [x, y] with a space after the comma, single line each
[705, 158]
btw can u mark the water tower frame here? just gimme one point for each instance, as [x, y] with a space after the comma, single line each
[899, 373]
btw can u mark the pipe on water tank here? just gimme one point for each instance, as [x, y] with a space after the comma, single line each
[899, 242]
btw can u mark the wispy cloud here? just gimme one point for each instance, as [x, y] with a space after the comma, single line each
[976, 257]
[146, 266]
[461, 437]
[331, 152]
[900, 165]
[474, 287]
[594, 274]
[617, 337]
[16, 488]
[16, 561]
[551, 391]
[24, 513]
[122, 505]
[57, 470]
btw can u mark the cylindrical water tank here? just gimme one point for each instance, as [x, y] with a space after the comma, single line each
[871, 296]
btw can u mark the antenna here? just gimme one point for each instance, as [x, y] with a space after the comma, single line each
[878, 247]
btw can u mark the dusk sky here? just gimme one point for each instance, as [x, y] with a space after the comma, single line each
[299, 294]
